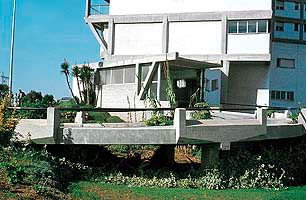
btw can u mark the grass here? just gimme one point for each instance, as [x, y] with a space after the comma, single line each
[90, 190]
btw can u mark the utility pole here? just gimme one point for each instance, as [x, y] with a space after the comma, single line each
[4, 79]
[12, 51]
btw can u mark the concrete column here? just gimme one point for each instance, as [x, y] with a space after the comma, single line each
[79, 118]
[210, 155]
[166, 156]
[165, 36]
[180, 122]
[87, 10]
[53, 123]
[262, 116]
[159, 78]
[224, 81]
[111, 35]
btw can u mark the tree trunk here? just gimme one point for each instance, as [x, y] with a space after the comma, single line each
[88, 93]
[79, 88]
[68, 83]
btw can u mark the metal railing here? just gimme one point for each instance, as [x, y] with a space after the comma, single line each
[99, 9]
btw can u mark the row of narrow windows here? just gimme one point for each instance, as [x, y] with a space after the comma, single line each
[280, 5]
[248, 26]
[280, 26]
[282, 95]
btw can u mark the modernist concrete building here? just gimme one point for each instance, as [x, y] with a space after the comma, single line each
[258, 48]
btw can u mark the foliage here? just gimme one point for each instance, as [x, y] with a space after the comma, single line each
[294, 117]
[4, 90]
[201, 114]
[271, 112]
[169, 87]
[66, 71]
[7, 122]
[158, 118]
[114, 119]
[35, 99]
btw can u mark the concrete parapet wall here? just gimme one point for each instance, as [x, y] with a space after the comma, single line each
[147, 135]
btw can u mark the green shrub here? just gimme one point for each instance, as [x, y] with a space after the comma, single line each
[98, 117]
[294, 117]
[201, 114]
[159, 120]
[270, 113]
[114, 119]
[7, 122]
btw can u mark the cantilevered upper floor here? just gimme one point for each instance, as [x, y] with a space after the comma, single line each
[214, 31]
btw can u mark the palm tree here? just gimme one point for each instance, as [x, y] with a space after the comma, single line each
[85, 76]
[76, 73]
[65, 71]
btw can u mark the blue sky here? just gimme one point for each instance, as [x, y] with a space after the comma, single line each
[47, 31]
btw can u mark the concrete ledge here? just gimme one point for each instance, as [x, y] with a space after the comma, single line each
[148, 135]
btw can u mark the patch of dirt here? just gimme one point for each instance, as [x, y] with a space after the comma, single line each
[104, 193]
[183, 155]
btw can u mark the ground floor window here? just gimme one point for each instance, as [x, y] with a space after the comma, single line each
[282, 95]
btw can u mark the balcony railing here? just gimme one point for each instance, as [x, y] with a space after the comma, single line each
[99, 9]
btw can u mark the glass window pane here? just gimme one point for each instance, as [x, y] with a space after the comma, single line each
[242, 27]
[277, 95]
[262, 26]
[287, 63]
[232, 27]
[105, 77]
[153, 90]
[283, 95]
[129, 76]
[214, 85]
[273, 96]
[144, 71]
[252, 26]
[117, 76]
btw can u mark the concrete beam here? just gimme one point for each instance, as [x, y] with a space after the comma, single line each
[98, 37]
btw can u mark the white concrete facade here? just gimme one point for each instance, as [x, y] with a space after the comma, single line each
[252, 39]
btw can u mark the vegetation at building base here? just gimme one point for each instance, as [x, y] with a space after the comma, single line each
[35, 99]
[201, 114]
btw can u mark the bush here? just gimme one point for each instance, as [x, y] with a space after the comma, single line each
[201, 114]
[114, 119]
[7, 122]
[159, 120]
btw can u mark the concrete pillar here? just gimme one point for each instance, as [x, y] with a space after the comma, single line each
[210, 155]
[53, 123]
[79, 118]
[262, 116]
[180, 122]
[224, 81]
[166, 156]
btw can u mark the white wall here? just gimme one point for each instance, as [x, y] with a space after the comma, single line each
[195, 37]
[248, 44]
[121, 7]
[137, 39]
[244, 81]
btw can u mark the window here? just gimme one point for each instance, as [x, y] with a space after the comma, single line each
[296, 27]
[117, 76]
[232, 27]
[282, 95]
[262, 26]
[252, 26]
[285, 63]
[305, 7]
[304, 27]
[296, 6]
[129, 75]
[280, 5]
[214, 85]
[207, 85]
[105, 76]
[242, 27]
[279, 26]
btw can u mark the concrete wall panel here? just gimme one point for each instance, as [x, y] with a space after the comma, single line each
[249, 44]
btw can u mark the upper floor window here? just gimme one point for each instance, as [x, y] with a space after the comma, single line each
[296, 6]
[280, 5]
[279, 26]
[296, 27]
[251, 26]
[285, 63]
[282, 95]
